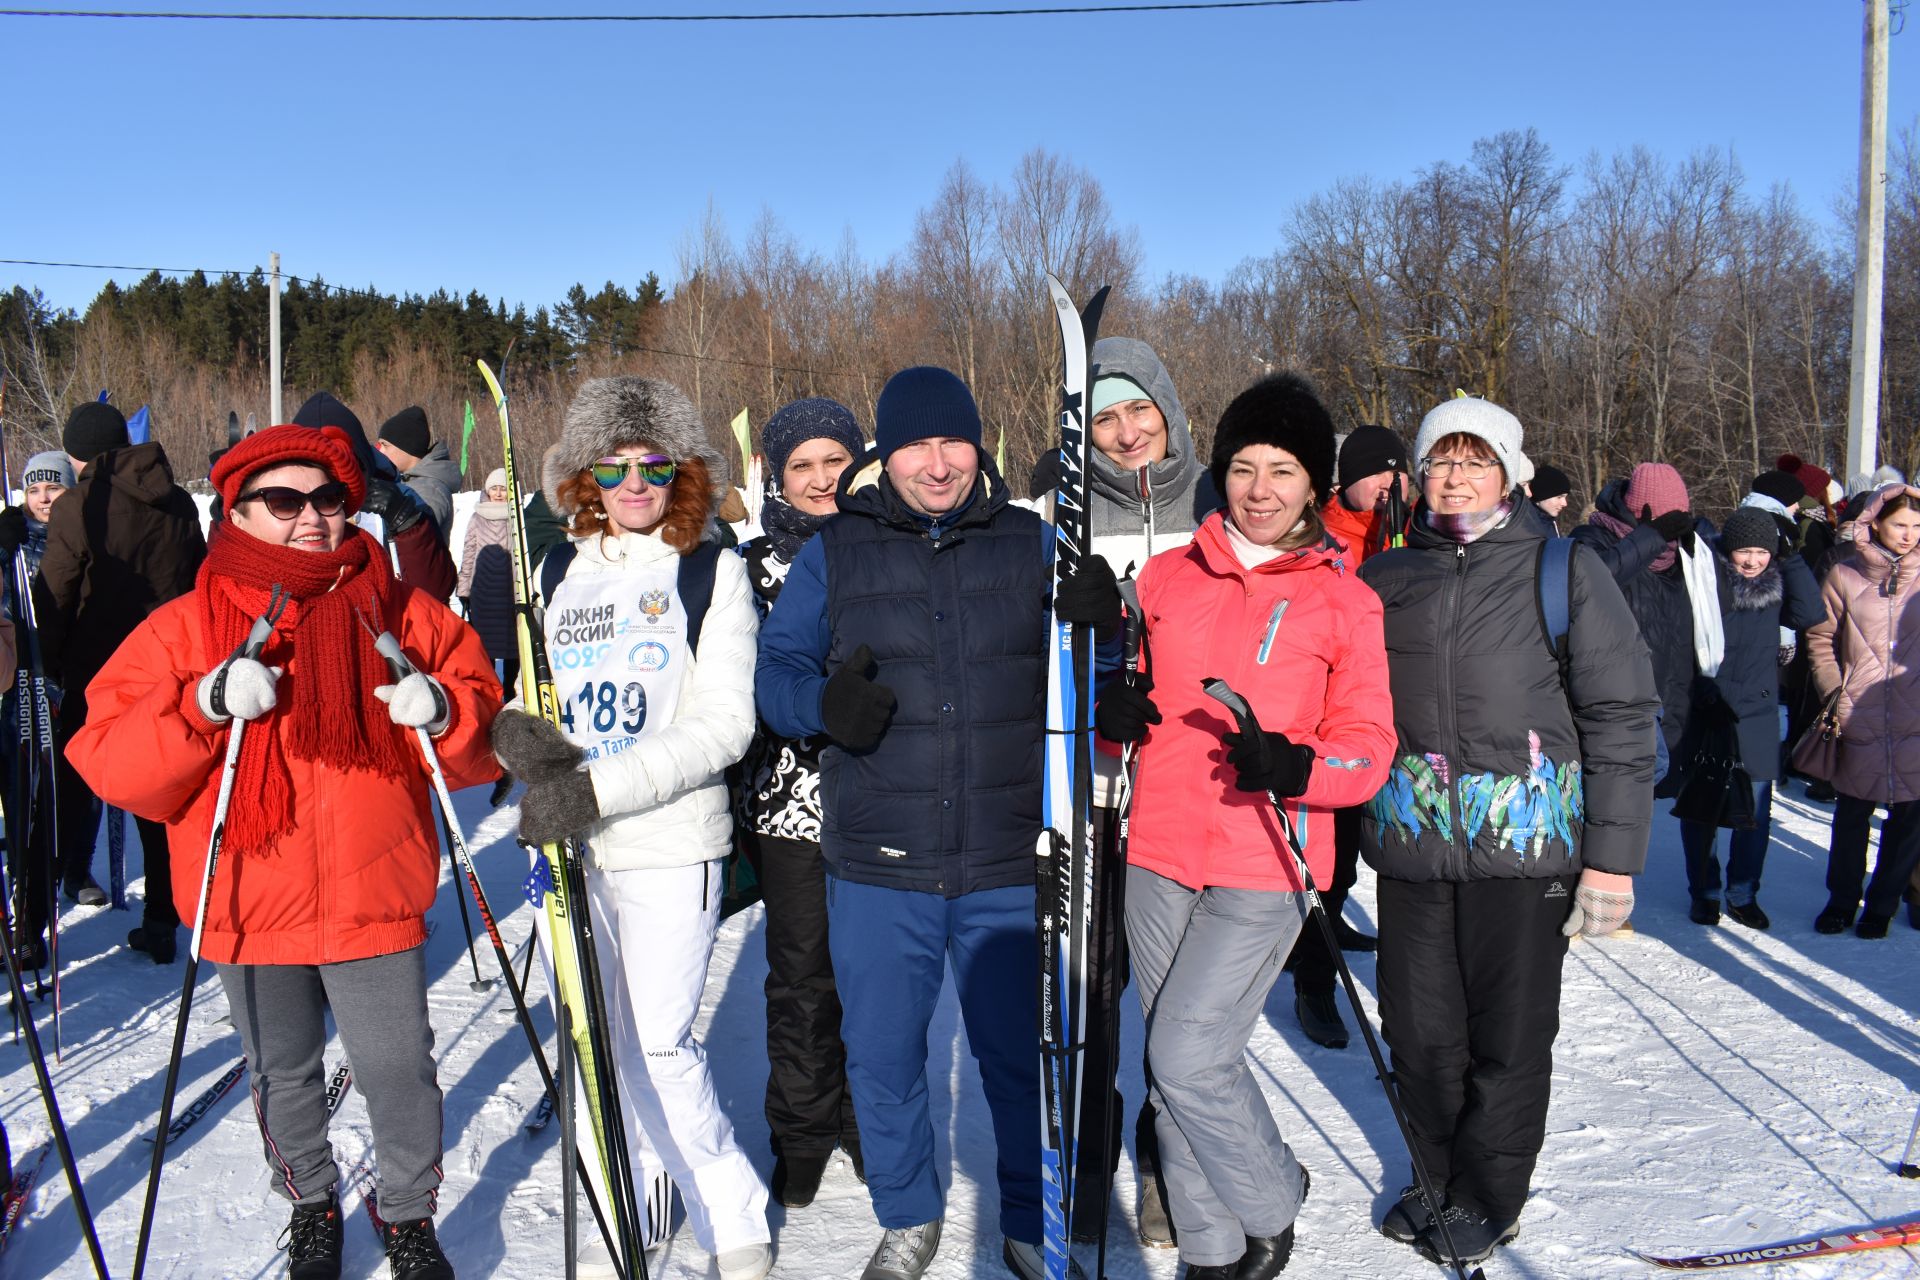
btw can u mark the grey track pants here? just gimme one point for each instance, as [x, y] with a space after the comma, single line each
[1203, 963]
[380, 1007]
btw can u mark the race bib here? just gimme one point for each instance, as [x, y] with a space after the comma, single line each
[618, 645]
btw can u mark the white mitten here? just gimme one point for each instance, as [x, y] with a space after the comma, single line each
[237, 688]
[417, 702]
[1601, 904]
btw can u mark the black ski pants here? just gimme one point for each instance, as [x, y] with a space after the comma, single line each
[1314, 969]
[809, 1106]
[1470, 1004]
[1847, 854]
[80, 826]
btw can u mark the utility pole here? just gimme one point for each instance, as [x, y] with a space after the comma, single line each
[273, 335]
[1863, 401]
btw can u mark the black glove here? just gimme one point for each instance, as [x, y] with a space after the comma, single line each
[1045, 476]
[1674, 526]
[1268, 762]
[397, 508]
[1089, 595]
[1125, 712]
[854, 710]
[13, 530]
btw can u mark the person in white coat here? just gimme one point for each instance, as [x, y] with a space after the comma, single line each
[651, 631]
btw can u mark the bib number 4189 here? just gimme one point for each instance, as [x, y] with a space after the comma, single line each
[604, 704]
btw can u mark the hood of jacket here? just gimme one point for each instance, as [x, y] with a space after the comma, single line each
[438, 465]
[324, 409]
[1171, 480]
[1870, 557]
[140, 471]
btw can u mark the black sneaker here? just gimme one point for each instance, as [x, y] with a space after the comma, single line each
[312, 1241]
[1408, 1216]
[796, 1179]
[1474, 1236]
[1872, 926]
[1319, 1017]
[1834, 919]
[413, 1253]
[1748, 914]
[1704, 911]
[157, 940]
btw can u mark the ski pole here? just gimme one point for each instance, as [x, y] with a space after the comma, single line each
[1219, 690]
[256, 641]
[1907, 1169]
[401, 666]
[466, 920]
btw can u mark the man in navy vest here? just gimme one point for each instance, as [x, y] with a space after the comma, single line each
[912, 631]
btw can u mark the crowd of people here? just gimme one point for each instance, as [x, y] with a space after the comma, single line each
[851, 701]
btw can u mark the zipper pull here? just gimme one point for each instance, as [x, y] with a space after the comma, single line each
[1273, 625]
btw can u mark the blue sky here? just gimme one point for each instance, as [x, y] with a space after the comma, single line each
[517, 160]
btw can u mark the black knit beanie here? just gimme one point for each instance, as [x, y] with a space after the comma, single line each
[1369, 451]
[93, 429]
[1781, 487]
[1749, 527]
[1282, 411]
[407, 431]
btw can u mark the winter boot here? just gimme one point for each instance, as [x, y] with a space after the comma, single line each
[1266, 1256]
[413, 1252]
[1704, 911]
[1320, 1018]
[156, 940]
[1871, 925]
[796, 1179]
[748, 1262]
[86, 891]
[1822, 791]
[1474, 1236]
[1028, 1261]
[1156, 1228]
[1835, 917]
[904, 1253]
[595, 1261]
[312, 1241]
[1224, 1272]
[1748, 914]
[851, 1145]
[1408, 1216]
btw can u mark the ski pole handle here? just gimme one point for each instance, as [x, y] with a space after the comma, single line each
[389, 648]
[1220, 691]
[262, 630]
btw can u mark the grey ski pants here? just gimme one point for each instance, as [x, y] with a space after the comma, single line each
[1203, 963]
[380, 1007]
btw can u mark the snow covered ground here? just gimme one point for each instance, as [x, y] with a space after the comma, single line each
[1713, 1087]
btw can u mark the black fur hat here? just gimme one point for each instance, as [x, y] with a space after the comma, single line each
[1281, 410]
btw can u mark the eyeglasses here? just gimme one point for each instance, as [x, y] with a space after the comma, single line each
[655, 468]
[287, 504]
[1471, 468]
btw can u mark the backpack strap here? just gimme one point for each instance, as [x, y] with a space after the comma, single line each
[696, 588]
[553, 567]
[1555, 576]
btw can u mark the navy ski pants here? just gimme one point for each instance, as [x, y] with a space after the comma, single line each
[891, 949]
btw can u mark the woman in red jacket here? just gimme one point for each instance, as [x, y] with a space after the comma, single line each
[331, 857]
[1263, 599]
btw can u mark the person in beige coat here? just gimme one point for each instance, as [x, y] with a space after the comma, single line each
[1864, 650]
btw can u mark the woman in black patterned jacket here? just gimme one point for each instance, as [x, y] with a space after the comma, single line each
[809, 1107]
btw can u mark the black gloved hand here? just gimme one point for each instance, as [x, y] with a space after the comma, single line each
[1045, 476]
[1674, 526]
[1089, 596]
[396, 507]
[854, 710]
[533, 750]
[1268, 762]
[1126, 711]
[13, 530]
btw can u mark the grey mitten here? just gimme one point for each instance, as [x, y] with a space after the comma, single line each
[559, 807]
[533, 750]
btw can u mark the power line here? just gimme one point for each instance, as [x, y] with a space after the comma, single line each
[848, 16]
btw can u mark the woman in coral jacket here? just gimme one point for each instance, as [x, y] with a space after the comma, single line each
[1264, 600]
[331, 858]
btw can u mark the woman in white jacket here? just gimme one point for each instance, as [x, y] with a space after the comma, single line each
[650, 628]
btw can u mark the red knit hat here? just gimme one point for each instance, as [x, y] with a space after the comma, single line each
[1657, 486]
[1816, 481]
[328, 448]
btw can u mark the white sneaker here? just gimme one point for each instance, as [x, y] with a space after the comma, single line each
[904, 1253]
[595, 1261]
[748, 1262]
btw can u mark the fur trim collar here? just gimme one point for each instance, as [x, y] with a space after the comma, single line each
[1751, 595]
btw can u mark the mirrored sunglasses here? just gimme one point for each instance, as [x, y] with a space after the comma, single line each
[656, 469]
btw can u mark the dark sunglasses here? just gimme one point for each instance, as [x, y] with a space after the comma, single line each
[655, 468]
[287, 504]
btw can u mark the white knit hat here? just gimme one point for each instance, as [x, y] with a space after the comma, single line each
[1470, 415]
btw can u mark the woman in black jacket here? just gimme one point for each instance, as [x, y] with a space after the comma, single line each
[1515, 815]
[1764, 587]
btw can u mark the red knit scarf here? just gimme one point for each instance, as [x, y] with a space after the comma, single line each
[327, 712]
